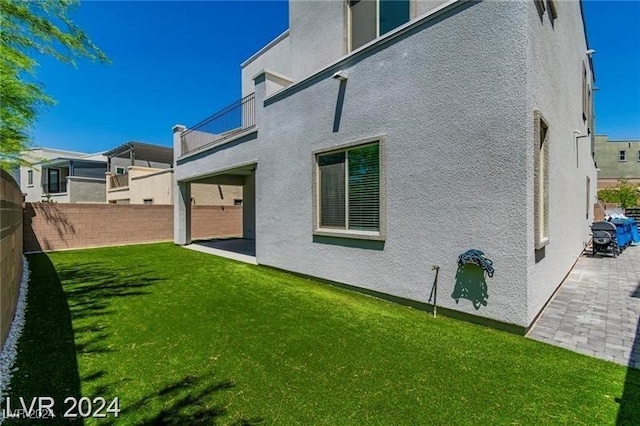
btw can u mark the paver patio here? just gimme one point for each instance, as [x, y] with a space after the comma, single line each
[596, 311]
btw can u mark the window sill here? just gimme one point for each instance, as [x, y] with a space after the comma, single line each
[355, 235]
[542, 243]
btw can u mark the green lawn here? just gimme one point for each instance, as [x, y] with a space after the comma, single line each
[183, 337]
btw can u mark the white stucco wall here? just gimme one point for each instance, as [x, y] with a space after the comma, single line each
[36, 156]
[554, 87]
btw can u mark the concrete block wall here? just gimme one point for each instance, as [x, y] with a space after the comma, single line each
[10, 250]
[52, 226]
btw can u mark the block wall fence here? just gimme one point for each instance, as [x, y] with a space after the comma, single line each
[10, 251]
[53, 226]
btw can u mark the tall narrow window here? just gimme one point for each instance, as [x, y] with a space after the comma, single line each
[53, 181]
[348, 190]
[332, 190]
[584, 92]
[589, 207]
[30, 177]
[373, 18]
[541, 181]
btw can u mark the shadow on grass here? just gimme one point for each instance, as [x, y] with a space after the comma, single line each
[46, 362]
[91, 288]
[189, 401]
[48, 349]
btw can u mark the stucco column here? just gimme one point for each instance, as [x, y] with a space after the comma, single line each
[260, 81]
[182, 213]
[249, 207]
[181, 196]
[177, 141]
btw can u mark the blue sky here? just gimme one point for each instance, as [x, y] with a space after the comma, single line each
[178, 62]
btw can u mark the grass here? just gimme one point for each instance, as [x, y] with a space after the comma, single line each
[183, 337]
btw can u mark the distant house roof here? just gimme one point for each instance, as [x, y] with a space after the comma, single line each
[143, 151]
[63, 160]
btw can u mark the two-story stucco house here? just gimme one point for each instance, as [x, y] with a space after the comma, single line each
[617, 159]
[62, 176]
[142, 173]
[376, 139]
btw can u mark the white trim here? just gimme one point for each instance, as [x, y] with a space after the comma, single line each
[86, 178]
[270, 72]
[268, 46]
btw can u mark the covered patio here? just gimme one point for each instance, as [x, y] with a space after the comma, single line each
[242, 249]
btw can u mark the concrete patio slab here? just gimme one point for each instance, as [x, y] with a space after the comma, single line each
[239, 249]
[596, 310]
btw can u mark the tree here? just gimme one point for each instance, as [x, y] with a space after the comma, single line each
[625, 194]
[28, 28]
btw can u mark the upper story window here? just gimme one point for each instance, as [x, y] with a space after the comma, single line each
[622, 155]
[638, 155]
[370, 19]
[120, 170]
[30, 177]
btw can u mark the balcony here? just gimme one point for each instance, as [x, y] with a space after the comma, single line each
[225, 124]
[54, 187]
[118, 181]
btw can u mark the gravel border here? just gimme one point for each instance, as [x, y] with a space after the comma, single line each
[10, 351]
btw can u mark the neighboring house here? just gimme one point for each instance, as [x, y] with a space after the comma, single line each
[63, 176]
[376, 139]
[142, 173]
[617, 159]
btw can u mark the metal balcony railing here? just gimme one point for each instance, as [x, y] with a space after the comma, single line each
[118, 181]
[230, 121]
[54, 187]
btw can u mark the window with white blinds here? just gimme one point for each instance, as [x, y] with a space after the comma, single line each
[349, 189]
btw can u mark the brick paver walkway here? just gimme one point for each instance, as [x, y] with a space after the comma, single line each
[596, 310]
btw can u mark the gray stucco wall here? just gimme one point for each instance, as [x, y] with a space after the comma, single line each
[454, 98]
[311, 43]
[423, 6]
[448, 98]
[86, 190]
[276, 58]
[554, 87]
[607, 158]
[318, 31]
